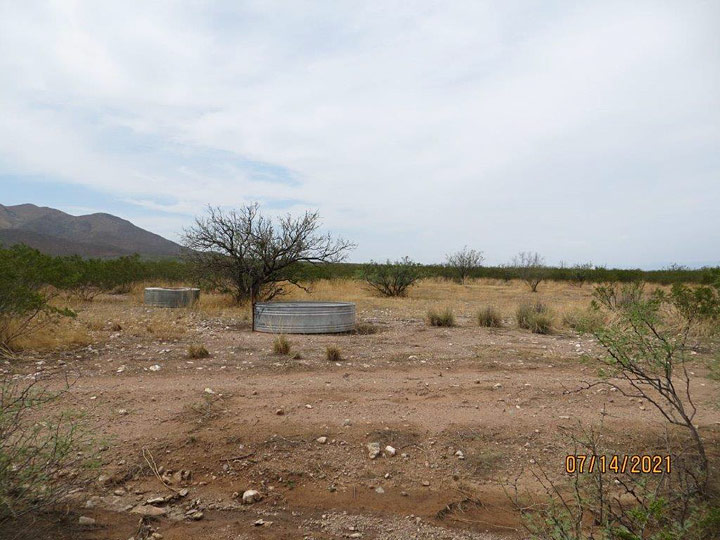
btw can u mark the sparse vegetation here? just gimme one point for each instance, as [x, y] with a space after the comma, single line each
[463, 263]
[535, 317]
[584, 321]
[281, 345]
[441, 318]
[530, 267]
[40, 461]
[333, 354]
[391, 278]
[489, 317]
[197, 351]
[250, 256]
[366, 329]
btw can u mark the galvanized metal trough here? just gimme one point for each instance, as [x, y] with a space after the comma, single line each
[171, 297]
[304, 317]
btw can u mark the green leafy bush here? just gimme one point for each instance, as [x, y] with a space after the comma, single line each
[28, 280]
[43, 455]
[391, 278]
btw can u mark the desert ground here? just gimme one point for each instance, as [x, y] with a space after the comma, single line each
[467, 410]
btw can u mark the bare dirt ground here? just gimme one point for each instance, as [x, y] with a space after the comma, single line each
[466, 409]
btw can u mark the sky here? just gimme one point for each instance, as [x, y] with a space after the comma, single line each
[585, 131]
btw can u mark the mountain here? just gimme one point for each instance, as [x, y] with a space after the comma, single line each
[94, 235]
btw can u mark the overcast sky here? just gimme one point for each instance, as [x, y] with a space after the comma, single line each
[586, 131]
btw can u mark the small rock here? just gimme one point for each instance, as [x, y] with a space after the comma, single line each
[373, 449]
[250, 496]
[209, 391]
[262, 523]
[195, 515]
[308, 406]
[183, 492]
[346, 422]
[321, 440]
[379, 490]
[85, 520]
[279, 412]
[122, 411]
[154, 367]
[390, 451]
[148, 510]
[425, 483]
[459, 454]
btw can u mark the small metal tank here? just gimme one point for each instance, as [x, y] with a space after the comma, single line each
[171, 297]
[304, 317]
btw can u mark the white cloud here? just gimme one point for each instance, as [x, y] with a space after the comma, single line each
[415, 128]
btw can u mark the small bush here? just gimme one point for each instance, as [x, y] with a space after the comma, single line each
[489, 317]
[281, 345]
[534, 317]
[441, 318]
[44, 453]
[197, 351]
[333, 353]
[584, 321]
[391, 278]
[366, 329]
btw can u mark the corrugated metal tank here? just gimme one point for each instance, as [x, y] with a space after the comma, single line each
[304, 317]
[171, 297]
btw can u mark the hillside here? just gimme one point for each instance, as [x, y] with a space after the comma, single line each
[95, 235]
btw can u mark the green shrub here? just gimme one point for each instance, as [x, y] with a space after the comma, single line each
[534, 317]
[333, 353]
[25, 307]
[489, 317]
[391, 278]
[281, 345]
[197, 351]
[44, 454]
[441, 318]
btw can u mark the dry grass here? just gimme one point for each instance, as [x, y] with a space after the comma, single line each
[489, 317]
[333, 354]
[281, 345]
[197, 351]
[96, 320]
[441, 318]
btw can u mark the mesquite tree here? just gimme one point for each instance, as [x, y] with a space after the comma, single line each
[251, 255]
[464, 262]
[530, 267]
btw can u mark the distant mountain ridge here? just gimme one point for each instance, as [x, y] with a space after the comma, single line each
[94, 235]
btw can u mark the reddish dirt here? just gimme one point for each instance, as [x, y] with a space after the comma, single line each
[500, 396]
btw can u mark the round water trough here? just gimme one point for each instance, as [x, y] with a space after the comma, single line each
[304, 317]
[171, 297]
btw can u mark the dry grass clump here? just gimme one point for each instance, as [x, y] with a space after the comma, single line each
[197, 351]
[441, 318]
[584, 321]
[365, 329]
[489, 317]
[333, 353]
[281, 345]
[535, 317]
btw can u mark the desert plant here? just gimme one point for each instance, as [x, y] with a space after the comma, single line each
[530, 267]
[534, 317]
[647, 346]
[464, 262]
[252, 255]
[441, 318]
[197, 351]
[43, 455]
[391, 278]
[281, 345]
[490, 317]
[25, 277]
[584, 321]
[366, 329]
[333, 353]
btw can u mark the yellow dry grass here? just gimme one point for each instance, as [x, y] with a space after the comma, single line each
[107, 313]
